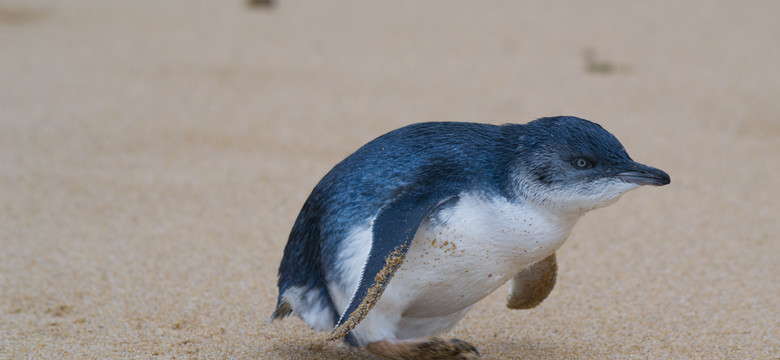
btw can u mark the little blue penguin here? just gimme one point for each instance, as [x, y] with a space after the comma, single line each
[400, 239]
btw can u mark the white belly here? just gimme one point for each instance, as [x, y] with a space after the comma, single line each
[457, 258]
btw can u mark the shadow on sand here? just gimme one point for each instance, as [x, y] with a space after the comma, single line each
[496, 349]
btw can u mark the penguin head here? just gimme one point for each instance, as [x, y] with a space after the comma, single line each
[572, 164]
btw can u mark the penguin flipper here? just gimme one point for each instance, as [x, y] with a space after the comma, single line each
[393, 230]
[531, 286]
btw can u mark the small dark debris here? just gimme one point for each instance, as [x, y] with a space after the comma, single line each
[261, 3]
[20, 16]
[594, 65]
[59, 311]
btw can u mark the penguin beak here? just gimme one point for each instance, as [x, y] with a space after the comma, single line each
[641, 174]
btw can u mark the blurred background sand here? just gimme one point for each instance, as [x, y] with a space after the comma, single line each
[154, 154]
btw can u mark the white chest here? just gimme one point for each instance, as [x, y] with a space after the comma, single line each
[457, 257]
[469, 250]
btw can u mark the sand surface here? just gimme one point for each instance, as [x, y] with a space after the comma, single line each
[154, 154]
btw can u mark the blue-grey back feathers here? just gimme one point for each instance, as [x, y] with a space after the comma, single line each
[397, 178]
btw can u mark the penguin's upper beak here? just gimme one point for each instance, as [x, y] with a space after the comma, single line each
[641, 174]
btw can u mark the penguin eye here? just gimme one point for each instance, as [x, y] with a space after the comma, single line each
[582, 163]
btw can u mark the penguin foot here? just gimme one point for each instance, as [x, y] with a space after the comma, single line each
[531, 286]
[431, 348]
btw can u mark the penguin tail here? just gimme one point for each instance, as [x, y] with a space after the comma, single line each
[283, 310]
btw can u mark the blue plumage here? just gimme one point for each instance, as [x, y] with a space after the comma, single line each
[357, 187]
[399, 182]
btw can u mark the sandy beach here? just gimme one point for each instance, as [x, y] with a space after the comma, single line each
[154, 155]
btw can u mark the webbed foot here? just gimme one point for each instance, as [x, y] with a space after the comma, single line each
[431, 348]
[531, 286]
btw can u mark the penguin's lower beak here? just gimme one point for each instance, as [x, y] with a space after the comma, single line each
[641, 174]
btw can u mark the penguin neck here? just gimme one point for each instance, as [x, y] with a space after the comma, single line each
[557, 222]
[564, 217]
[521, 190]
